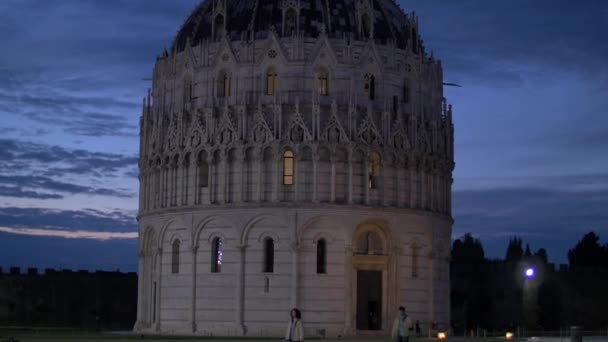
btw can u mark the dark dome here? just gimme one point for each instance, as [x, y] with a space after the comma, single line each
[246, 19]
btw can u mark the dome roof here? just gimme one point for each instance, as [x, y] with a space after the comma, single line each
[246, 19]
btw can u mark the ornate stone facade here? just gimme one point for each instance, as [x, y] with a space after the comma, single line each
[294, 154]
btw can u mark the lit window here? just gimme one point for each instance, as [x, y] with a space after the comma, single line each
[216, 255]
[323, 83]
[175, 257]
[271, 81]
[288, 167]
[224, 84]
[370, 86]
[374, 170]
[268, 255]
[321, 256]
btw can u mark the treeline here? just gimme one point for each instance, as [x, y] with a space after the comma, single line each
[496, 294]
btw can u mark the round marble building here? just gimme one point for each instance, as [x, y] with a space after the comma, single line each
[294, 153]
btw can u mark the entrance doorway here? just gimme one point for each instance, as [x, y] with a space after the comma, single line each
[369, 300]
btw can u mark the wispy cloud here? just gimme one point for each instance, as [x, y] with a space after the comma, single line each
[65, 234]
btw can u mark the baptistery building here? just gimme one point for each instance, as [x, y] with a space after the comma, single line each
[294, 153]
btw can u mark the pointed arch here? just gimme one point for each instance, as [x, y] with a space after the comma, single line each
[219, 27]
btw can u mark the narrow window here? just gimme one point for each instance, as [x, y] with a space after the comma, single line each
[268, 255]
[271, 81]
[219, 27]
[203, 175]
[290, 22]
[216, 255]
[374, 170]
[321, 256]
[224, 84]
[323, 83]
[175, 257]
[406, 92]
[365, 27]
[288, 167]
[370, 86]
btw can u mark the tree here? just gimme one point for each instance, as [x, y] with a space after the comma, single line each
[587, 252]
[541, 255]
[527, 253]
[514, 250]
[467, 250]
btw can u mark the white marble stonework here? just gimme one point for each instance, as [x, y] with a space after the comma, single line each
[310, 141]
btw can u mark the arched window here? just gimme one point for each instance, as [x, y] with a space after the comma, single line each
[321, 256]
[188, 91]
[203, 172]
[224, 82]
[271, 81]
[175, 257]
[374, 170]
[370, 86]
[219, 27]
[269, 255]
[288, 167]
[266, 285]
[365, 26]
[216, 255]
[406, 92]
[323, 82]
[291, 20]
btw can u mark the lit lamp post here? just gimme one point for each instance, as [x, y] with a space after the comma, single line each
[530, 298]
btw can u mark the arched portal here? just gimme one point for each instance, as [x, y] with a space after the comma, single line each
[374, 279]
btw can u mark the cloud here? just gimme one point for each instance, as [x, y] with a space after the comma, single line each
[78, 234]
[51, 160]
[90, 220]
[48, 184]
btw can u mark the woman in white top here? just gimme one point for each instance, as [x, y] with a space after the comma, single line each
[294, 328]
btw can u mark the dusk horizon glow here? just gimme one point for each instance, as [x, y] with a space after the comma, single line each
[531, 134]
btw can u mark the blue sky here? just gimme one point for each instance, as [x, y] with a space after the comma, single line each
[531, 121]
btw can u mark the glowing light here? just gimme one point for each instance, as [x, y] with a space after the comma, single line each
[441, 335]
[509, 336]
[530, 272]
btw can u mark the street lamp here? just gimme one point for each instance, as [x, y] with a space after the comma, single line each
[530, 272]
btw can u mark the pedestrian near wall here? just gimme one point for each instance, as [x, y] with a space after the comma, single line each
[294, 328]
[402, 327]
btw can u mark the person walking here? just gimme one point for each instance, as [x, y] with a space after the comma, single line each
[417, 328]
[294, 328]
[402, 327]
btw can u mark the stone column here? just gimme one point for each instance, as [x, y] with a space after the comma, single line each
[192, 177]
[350, 179]
[240, 190]
[211, 179]
[333, 161]
[140, 290]
[422, 176]
[431, 286]
[259, 163]
[194, 250]
[399, 182]
[179, 182]
[296, 176]
[159, 287]
[295, 271]
[366, 173]
[278, 173]
[432, 195]
[240, 289]
[348, 290]
[384, 200]
[412, 187]
[315, 165]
